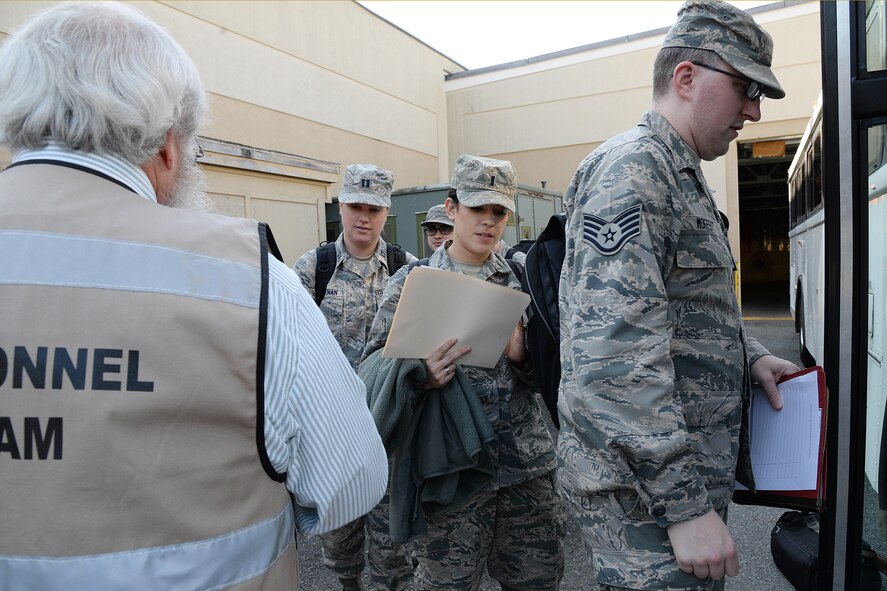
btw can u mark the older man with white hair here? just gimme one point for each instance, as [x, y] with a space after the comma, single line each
[172, 404]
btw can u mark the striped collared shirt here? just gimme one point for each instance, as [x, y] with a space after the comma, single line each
[317, 426]
[113, 167]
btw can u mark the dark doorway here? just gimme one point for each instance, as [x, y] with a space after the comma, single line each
[763, 221]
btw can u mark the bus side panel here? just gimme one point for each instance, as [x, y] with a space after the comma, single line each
[877, 324]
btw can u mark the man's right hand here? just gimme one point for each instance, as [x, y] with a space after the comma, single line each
[704, 547]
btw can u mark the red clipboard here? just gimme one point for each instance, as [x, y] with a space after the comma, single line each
[811, 500]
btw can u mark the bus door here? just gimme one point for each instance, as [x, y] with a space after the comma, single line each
[854, 525]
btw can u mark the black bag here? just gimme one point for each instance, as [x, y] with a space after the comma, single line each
[542, 275]
[523, 246]
[794, 544]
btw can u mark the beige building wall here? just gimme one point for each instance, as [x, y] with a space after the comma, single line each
[326, 80]
[547, 114]
[326, 84]
[282, 190]
[317, 81]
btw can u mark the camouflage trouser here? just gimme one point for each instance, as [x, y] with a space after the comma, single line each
[516, 531]
[343, 553]
[628, 550]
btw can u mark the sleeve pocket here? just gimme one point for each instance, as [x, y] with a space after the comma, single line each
[702, 249]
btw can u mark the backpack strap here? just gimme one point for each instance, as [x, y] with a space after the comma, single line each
[509, 254]
[326, 264]
[397, 258]
[418, 263]
[323, 271]
[516, 269]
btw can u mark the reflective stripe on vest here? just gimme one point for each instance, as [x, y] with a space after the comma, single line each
[211, 564]
[74, 261]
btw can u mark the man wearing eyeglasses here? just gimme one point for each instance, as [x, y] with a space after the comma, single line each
[656, 363]
[437, 227]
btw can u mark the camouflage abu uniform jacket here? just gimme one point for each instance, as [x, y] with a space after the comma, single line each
[522, 449]
[652, 344]
[351, 299]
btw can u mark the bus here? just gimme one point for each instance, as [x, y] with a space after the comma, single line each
[876, 293]
[807, 242]
[874, 160]
[876, 320]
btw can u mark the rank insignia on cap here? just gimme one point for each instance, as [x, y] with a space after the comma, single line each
[365, 183]
[608, 237]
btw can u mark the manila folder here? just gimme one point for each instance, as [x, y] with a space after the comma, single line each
[436, 305]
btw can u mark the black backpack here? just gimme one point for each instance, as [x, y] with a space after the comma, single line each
[541, 279]
[326, 264]
[523, 246]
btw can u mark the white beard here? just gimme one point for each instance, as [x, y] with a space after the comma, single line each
[189, 189]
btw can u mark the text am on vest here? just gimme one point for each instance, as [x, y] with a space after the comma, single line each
[24, 369]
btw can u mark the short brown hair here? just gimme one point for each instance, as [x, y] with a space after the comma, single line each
[668, 59]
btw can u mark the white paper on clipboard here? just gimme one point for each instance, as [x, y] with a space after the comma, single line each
[436, 305]
[785, 443]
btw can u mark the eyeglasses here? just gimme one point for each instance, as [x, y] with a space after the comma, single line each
[753, 90]
[437, 229]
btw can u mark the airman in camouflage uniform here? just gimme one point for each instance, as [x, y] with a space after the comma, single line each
[656, 364]
[515, 525]
[349, 305]
[437, 227]
[352, 295]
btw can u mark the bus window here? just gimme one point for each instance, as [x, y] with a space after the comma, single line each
[875, 34]
[816, 175]
[803, 192]
[808, 175]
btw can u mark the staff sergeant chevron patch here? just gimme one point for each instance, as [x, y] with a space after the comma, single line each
[609, 237]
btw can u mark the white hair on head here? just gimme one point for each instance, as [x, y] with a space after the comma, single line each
[98, 78]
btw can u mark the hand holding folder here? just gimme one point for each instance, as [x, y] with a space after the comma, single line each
[436, 305]
[788, 446]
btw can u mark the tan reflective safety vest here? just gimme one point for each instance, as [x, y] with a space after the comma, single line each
[132, 452]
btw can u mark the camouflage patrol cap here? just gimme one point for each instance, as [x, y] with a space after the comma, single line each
[482, 181]
[732, 34]
[366, 183]
[437, 215]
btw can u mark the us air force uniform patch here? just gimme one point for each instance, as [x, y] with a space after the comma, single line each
[609, 237]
